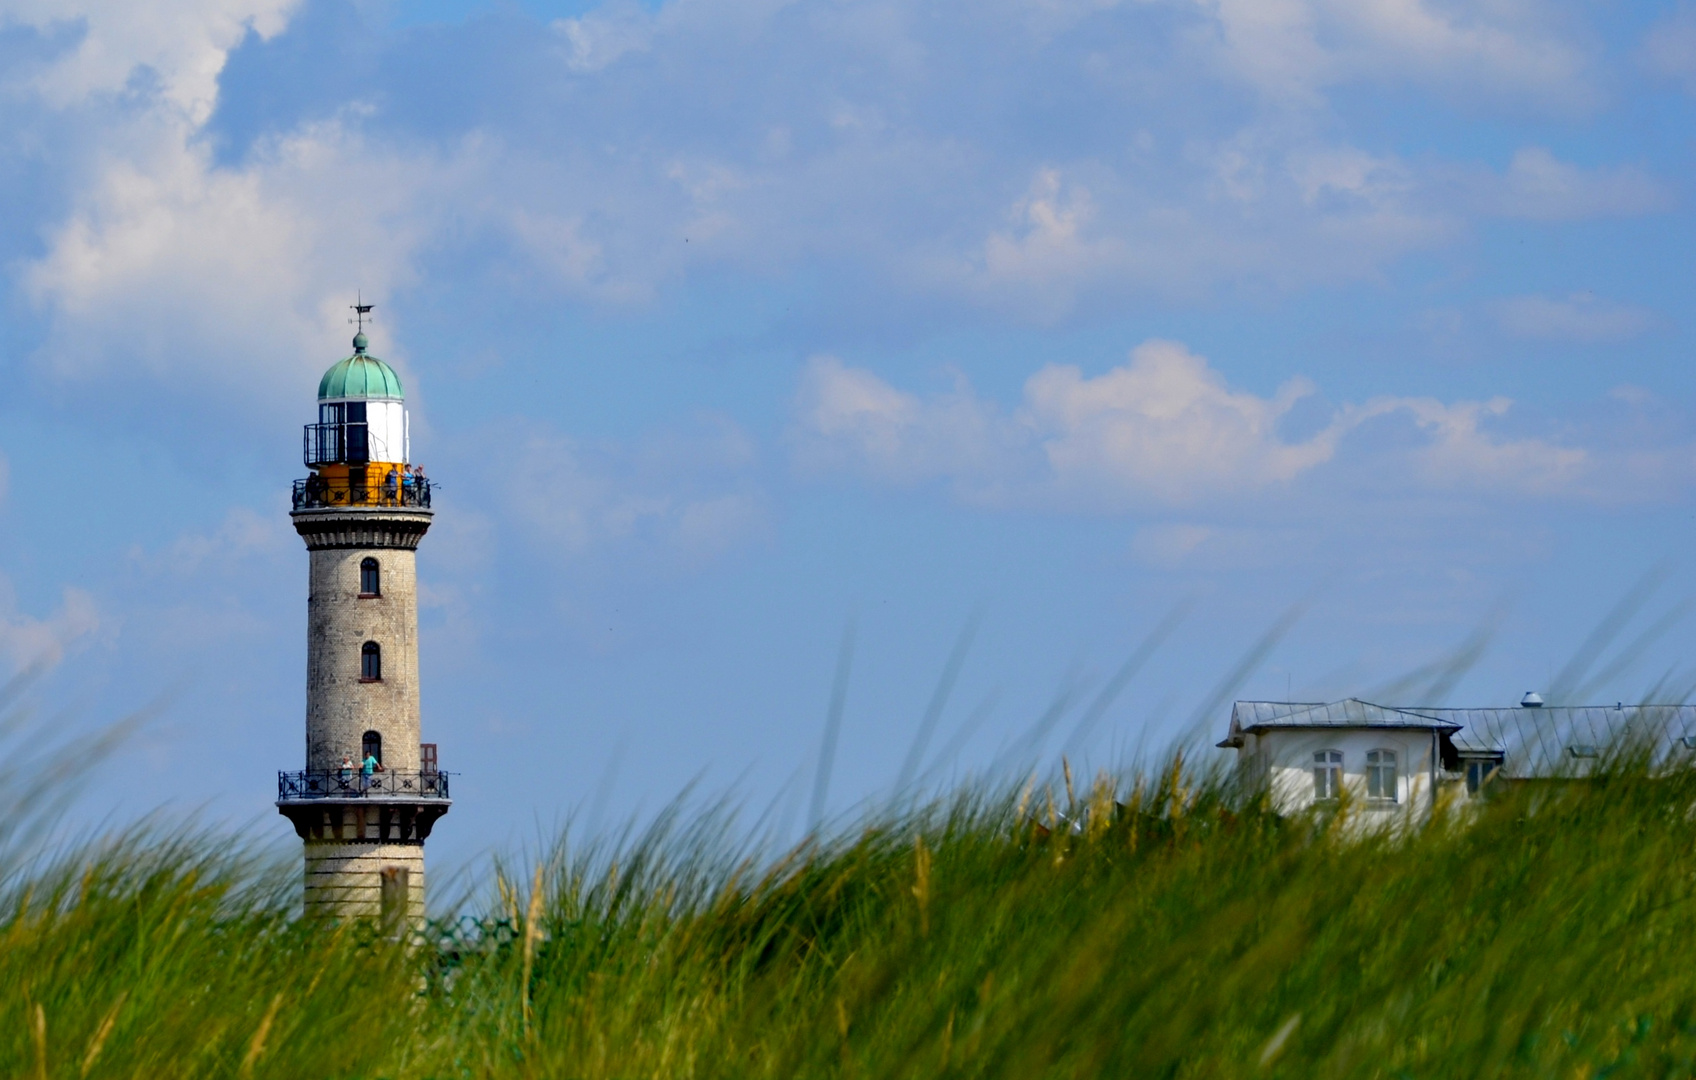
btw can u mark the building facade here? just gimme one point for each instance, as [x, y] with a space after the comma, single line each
[1392, 763]
[371, 789]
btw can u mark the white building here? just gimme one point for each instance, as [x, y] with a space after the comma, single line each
[1391, 762]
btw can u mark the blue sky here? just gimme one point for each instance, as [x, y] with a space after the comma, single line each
[726, 324]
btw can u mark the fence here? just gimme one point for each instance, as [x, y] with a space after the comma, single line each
[353, 784]
[357, 489]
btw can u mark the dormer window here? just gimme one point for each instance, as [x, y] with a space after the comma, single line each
[370, 662]
[370, 578]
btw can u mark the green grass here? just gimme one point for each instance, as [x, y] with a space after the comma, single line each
[1553, 935]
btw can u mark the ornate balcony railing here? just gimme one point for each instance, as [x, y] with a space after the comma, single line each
[353, 784]
[358, 489]
[323, 444]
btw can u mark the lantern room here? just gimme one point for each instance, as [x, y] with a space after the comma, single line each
[359, 449]
[361, 414]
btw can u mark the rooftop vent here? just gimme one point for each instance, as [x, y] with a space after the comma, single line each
[1531, 700]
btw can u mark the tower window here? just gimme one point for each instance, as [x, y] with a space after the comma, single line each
[369, 578]
[371, 746]
[358, 443]
[370, 662]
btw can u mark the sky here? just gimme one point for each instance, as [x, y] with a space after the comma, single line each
[1032, 376]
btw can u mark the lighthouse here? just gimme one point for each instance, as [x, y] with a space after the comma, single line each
[371, 789]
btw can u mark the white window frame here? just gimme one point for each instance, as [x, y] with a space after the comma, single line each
[1378, 762]
[1327, 775]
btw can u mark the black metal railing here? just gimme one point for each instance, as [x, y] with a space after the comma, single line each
[356, 784]
[361, 488]
[329, 444]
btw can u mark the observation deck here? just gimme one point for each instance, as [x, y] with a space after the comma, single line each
[362, 487]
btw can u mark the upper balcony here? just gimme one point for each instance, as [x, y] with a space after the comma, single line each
[356, 432]
[372, 486]
[326, 444]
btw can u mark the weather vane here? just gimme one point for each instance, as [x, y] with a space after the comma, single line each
[361, 310]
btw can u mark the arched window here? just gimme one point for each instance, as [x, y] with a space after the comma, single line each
[370, 662]
[1381, 775]
[371, 746]
[370, 580]
[1327, 774]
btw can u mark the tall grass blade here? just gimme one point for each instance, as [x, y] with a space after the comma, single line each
[938, 701]
[832, 727]
[1128, 670]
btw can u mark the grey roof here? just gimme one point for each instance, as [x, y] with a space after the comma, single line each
[1559, 740]
[1554, 740]
[1351, 712]
[1256, 716]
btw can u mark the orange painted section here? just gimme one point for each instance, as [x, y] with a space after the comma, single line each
[361, 485]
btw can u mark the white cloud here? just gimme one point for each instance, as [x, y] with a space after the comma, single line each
[849, 418]
[1165, 429]
[1460, 454]
[165, 254]
[606, 34]
[26, 640]
[1255, 208]
[241, 537]
[173, 268]
[1669, 46]
[1578, 317]
[1293, 50]
[235, 278]
[179, 47]
[1541, 187]
[686, 493]
[1166, 424]
[1049, 242]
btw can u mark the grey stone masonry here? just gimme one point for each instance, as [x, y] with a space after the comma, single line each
[341, 705]
[346, 880]
[364, 850]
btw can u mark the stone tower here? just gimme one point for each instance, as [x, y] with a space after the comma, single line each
[371, 790]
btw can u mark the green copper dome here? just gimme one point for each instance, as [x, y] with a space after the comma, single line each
[359, 376]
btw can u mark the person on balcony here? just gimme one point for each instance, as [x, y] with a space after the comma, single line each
[347, 770]
[408, 488]
[390, 487]
[370, 766]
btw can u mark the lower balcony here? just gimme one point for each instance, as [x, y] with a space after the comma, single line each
[342, 784]
[349, 806]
